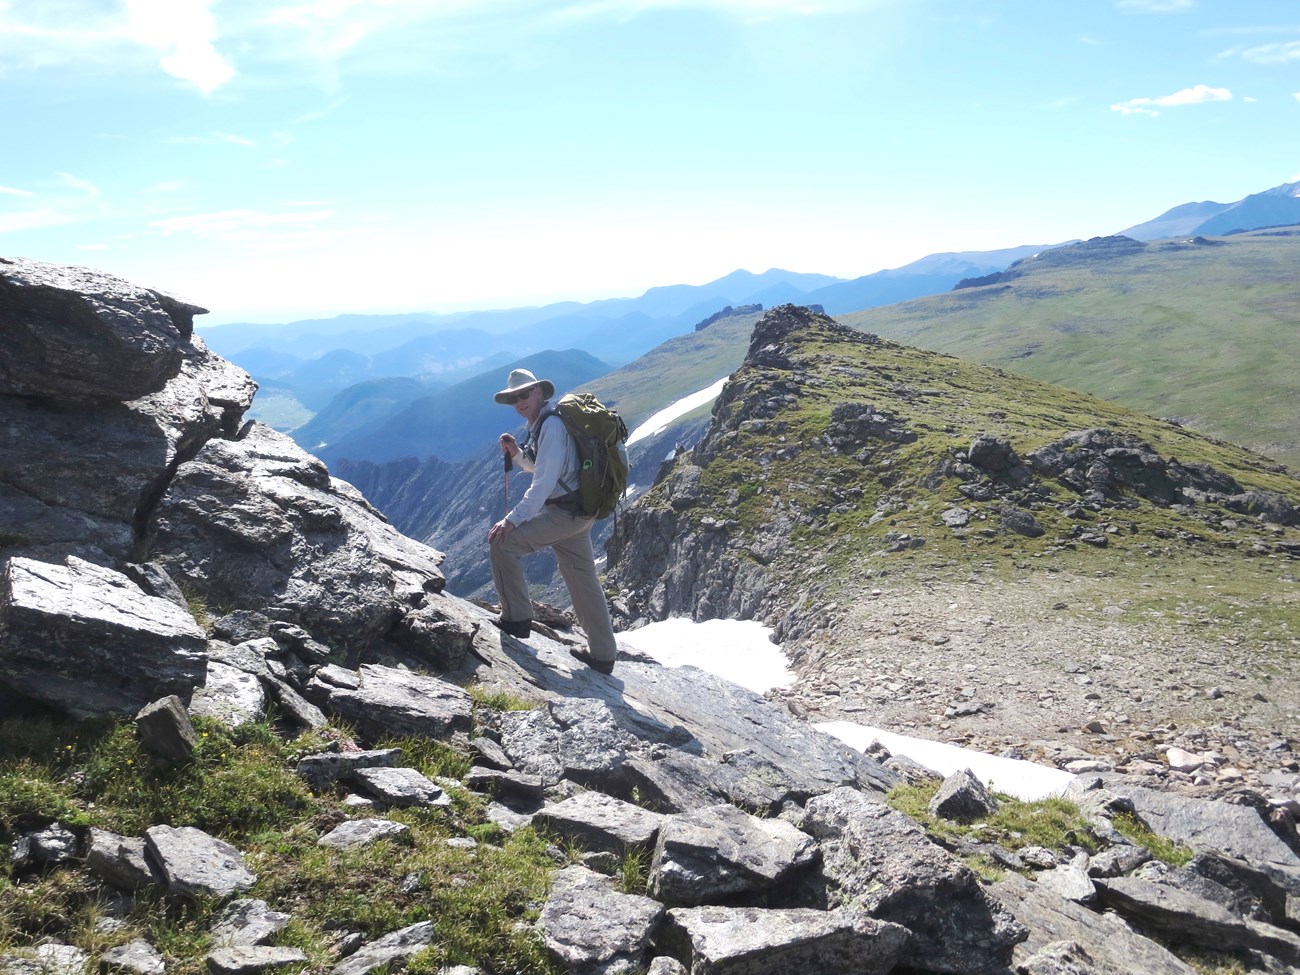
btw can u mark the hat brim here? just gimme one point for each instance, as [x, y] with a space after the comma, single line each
[505, 396]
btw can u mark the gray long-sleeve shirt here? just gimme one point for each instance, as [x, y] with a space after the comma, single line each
[553, 471]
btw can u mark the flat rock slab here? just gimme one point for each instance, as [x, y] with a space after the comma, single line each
[1114, 947]
[797, 941]
[194, 864]
[705, 716]
[138, 957]
[247, 923]
[388, 701]
[229, 695]
[362, 832]
[1191, 919]
[1071, 881]
[574, 738]
[505, 784]
[1206, 825]
[392, 949]
[321, 769]
[46, 959]
[705, 856]
[250, 960]
[401, 787]
[601, 823]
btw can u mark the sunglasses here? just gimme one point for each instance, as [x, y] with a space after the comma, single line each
[516, 397]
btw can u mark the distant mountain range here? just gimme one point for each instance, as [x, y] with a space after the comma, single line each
[1278, 207]
[379, 387]
[452, 423]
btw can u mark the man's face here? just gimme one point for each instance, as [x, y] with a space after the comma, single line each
[529, 404]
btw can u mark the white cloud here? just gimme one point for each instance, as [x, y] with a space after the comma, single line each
[239, 224]
[197, 40]
[1277, 53]
[12, 191]
[177, 36]
[77, 183]
[185, 30]
[1196, 95]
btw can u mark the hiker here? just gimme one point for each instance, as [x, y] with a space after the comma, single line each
[545, 516]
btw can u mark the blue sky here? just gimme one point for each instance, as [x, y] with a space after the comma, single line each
[281, 159]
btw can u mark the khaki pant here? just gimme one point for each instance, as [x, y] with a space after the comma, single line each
[570, 538]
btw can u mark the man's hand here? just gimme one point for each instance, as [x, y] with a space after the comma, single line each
[509, 446]
[500, 531]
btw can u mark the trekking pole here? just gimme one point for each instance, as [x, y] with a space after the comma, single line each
[506, 480]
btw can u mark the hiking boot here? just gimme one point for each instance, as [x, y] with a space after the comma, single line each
[604, 666]
[520, 629]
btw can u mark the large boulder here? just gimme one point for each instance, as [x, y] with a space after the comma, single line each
[706, 856]
[881, 862]
[258, 524]
[79, 477]
[73, 334]
[86, 639]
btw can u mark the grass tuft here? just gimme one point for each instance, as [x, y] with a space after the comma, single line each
[1053, 823]
[240, 787]
[1164, 850]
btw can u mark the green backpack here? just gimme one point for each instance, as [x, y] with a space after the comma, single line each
[598, 436]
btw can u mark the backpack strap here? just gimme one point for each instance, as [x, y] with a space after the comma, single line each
[531, 442]
[534, 439]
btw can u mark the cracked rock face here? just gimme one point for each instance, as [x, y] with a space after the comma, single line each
[77, 335]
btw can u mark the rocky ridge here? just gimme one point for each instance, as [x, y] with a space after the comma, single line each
[218, 570]
[933, 562]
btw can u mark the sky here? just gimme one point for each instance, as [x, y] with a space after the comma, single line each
[273, 160]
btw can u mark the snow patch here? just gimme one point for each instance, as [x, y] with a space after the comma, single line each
[742, 652]
[659, 422]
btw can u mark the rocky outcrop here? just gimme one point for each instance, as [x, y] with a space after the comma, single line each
[73, 334]
[821, 422]
[686, 561]
[124, 454]
[726, 312]
[1086, 252]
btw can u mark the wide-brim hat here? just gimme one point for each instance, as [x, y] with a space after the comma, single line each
[520, 380]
